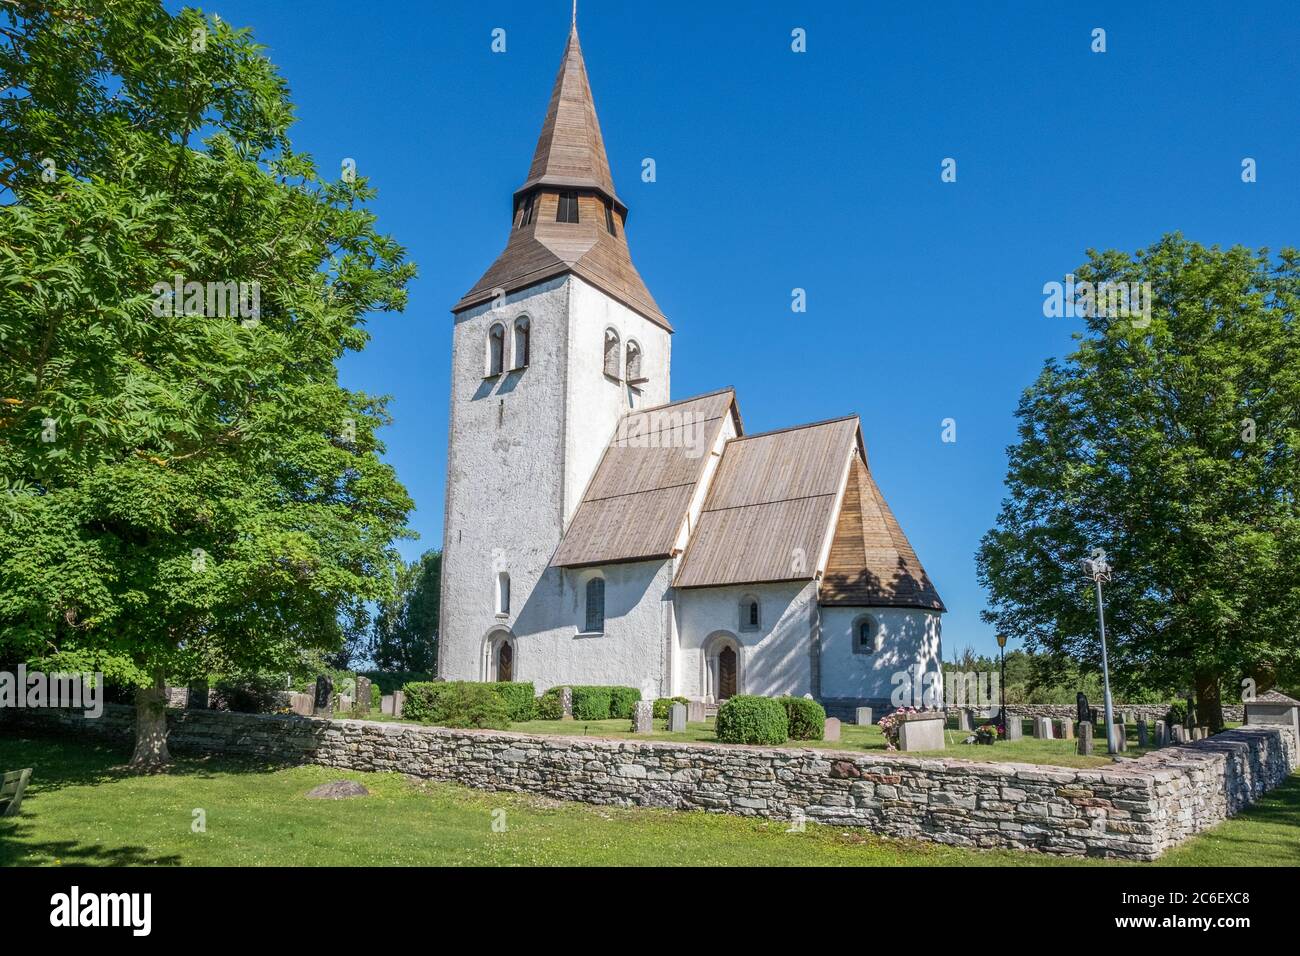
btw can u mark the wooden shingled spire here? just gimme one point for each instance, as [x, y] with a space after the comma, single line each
[569, 168]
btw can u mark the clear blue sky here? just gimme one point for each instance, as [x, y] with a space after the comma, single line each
[818, 170]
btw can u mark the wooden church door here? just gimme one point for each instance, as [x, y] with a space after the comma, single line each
[726, 673]
[505, 662]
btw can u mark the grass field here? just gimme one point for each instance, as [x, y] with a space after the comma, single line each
[83, 809]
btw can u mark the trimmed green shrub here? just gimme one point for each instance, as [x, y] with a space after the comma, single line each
[550, 706]
[622, 701]
[591, 702]
[390, 681]
[746, 719]
[663, 705]
[376, 697]
[455, 704]
[807, 718]
[1177, 715]
[519, 697]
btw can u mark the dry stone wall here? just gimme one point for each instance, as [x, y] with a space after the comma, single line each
[1136, 809]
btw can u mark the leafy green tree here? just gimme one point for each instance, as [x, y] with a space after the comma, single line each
[186, 490]
[405, 634]
[1174, 446]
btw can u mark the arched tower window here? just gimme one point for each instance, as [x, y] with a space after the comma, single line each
[496, 358]
[611, 353]
[523, 342]
[595, 621]
[633, 365]
[867, 638]
[750, 613]
[503, 593]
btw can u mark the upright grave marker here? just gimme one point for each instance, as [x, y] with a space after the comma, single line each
[1085, 738]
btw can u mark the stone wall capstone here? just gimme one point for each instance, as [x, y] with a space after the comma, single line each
[1135, 809]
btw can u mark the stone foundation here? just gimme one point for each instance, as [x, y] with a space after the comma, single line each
[1135, 809]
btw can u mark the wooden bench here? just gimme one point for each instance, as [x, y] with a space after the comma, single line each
[12, 786]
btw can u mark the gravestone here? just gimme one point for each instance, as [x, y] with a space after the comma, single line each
[399, 701]
[1143, 740]
[566, 703]
[832, 731]
[921, 732]
[345, 702]
[1067, 728]
[963, 719]
[643, 713]
[363, 695]
[1082, 711]
[196, 697]
[386, 705]
[1043, 728]
[1274, 709]
[695, 712]
[1162, 734]
[863, 717]
[1085, 738]
[1205, 732]
[1121, 735]
[323, 706]
[1179, 734]
[303, 704]
[677, 718]
[1015, 727]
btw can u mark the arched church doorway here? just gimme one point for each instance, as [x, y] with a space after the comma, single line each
[726, 672]
[505, 661]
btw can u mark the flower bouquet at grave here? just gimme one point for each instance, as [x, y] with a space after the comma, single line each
[989, 733]
[889, 725]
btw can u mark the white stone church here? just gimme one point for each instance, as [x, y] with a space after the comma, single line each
[598, 532]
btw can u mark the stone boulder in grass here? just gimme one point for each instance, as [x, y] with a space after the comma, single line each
[337, 790]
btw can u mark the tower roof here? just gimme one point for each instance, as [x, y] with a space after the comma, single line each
[545, 241]
[570, 150]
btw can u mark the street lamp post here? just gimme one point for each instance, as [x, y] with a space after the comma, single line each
[1098, 569]
[1002, 650]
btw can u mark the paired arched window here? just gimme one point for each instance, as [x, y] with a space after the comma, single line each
[496, 357]
[633, 366]
[595, 620]
[503, 592]
[750, 613]
[611, 353]
[867, 638]
[523, 342]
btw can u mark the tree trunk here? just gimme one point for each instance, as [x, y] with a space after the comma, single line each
[151, 727]
[1209, 706]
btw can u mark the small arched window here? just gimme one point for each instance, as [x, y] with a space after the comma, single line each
[611, 353]
[867, 638]
[595, 622]
[750, 613]
[523, 341]
[503, 592]
[496, 349]
[633, 366]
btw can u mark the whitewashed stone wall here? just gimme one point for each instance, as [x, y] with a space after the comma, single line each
[1135, 810]
[910, 639]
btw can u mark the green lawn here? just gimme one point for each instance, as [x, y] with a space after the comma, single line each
[1059, 753]
[82, 808]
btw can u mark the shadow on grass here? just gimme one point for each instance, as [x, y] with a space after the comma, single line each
[16, 851]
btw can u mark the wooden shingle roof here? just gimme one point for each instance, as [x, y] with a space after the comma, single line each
[872, 564]
[636, 502]
[770, 506]
[570, 155]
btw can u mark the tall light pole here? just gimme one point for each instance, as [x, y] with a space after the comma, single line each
[1098, 569]
[1002, 649]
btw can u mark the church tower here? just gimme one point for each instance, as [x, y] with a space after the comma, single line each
[557, 340]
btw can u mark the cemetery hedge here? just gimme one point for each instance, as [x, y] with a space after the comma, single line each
[519, 697]
[622, 701]
[806, 718]
[456, 704]
[591, 702]
[550, 706]
[746, 719]
[663, 705]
